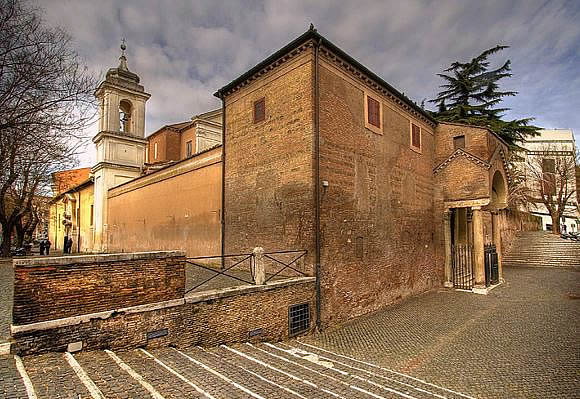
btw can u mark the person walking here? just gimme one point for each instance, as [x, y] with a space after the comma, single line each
[47, 246]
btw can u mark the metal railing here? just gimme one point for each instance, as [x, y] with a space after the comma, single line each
[242, 267]
[462, 257]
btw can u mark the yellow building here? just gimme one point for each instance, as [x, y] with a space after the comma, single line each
[71, 215]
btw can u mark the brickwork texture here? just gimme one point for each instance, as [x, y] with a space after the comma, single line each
[53, 288]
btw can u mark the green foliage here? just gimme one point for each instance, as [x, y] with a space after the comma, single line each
[471, 95]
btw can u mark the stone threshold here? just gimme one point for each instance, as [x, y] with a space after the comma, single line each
[188, 299]
[485, 290]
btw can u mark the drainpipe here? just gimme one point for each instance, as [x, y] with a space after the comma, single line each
[317, 183]
[223, 215]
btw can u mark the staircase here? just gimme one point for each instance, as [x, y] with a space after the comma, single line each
[542, 249]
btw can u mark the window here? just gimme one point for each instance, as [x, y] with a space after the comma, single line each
[458, 142]
[91, 215]
[549, 176]
[260, 110]
[373, 114]
[155, 151]
[188, 148]
[415, 137]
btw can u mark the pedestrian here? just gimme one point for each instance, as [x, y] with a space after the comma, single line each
[41, 245]
[47, 246]
[65, 245]
[70, 244]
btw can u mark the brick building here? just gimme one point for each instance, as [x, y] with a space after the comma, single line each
[182, 140]
[320, 154]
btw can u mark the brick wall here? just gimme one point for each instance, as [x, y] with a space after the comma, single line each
[269, 194]
[214, 318]
[168, 146]
[57, 287]
[513, 221]
[378, 207]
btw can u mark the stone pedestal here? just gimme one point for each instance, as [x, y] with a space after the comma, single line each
[259, 272]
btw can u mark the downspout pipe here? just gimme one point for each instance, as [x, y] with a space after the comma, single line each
[317, 183]
[223, 213]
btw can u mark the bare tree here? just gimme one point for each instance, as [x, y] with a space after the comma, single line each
[552, 181]
[46, 100]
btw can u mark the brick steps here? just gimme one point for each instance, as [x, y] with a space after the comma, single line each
[282, 370]
[541, 249]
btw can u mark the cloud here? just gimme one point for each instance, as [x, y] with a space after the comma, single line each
[183, 50]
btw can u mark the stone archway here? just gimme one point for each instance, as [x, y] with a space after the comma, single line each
[498, 191]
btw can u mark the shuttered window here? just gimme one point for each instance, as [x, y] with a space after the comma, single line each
[189, 148]
[259, 110]
[415, 136]
[374, 112]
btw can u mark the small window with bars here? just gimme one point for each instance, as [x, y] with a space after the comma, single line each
[415, 137]
[259, 110]
[298, 319]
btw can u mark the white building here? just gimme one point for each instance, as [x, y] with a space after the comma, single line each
[551, 148]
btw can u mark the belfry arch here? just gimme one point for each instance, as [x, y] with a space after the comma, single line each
[125, 116]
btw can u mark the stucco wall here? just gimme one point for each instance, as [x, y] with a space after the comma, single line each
[175, 208]
[378, 206]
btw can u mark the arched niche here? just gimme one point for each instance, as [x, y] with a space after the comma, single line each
[125, 116]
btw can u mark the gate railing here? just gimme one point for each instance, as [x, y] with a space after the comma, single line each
[241, 267]
[462, 264]
[491, 265]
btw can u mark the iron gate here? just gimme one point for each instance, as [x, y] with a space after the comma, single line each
[491, 265]
[462, 256]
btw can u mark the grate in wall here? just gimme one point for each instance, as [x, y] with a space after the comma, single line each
[298, 319]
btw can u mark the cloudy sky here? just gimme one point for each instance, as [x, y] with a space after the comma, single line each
[185, 50]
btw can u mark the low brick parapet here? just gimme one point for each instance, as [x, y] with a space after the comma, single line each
[237, 314]
[59, 287]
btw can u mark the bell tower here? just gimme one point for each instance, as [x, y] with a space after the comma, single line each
[120, 141]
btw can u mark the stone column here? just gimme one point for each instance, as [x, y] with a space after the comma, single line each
[497, 241]
[469, 226]
[478, 254]
[259, 274]
[447, 236]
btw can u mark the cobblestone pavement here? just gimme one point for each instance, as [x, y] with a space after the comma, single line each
[520, 341]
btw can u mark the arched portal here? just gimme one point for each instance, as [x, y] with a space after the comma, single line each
[498, 191]
[125, 113]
